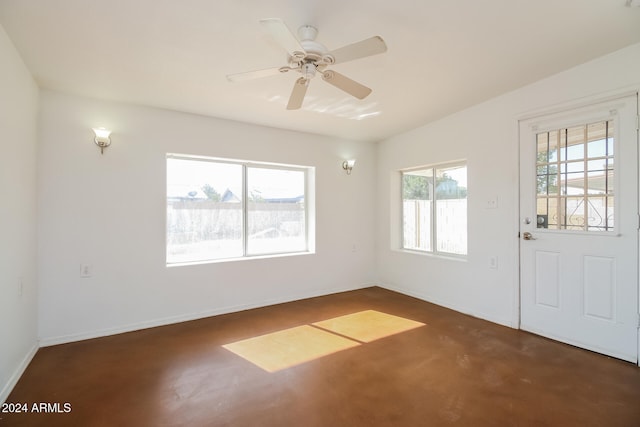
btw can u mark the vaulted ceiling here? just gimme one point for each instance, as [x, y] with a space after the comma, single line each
[442, 55]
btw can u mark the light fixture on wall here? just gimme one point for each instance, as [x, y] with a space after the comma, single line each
[102, 138]
[348, 165]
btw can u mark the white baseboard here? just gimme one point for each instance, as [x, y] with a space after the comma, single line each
[13, 380]
[455, 307]
[63, 339]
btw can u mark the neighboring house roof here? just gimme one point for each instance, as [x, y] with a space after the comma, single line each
[179, 192]
[228, 196]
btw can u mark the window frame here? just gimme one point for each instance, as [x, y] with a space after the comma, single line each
[309, 203]
[433, 226]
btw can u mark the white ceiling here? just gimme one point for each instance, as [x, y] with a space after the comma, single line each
[442, 56]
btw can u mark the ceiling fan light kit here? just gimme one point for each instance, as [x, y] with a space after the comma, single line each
[309, 57]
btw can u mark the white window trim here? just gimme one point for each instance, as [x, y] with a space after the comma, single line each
[309, 214]
[433, 226]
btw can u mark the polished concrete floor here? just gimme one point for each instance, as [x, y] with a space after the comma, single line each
[453, 370]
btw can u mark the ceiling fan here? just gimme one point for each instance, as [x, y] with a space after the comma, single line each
[308, 57]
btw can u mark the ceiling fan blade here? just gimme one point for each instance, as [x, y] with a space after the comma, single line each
[283, 36]
[346, 84]
[298, 93]
[256, 74]
[361, 49]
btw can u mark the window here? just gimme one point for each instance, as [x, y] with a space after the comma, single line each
[575, 178]
[434, 209]
[220, 209]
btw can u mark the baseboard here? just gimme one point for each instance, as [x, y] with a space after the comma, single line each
[447, 304]
[63, 339]
[13, 380]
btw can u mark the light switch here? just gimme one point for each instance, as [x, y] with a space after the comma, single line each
[492, 203]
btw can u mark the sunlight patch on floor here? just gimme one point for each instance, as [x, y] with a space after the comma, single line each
[283, 349]
[369, 325]
[290, 347]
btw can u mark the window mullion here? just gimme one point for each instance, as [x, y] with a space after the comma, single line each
[245, 215]
[434, 220]
[307, 227]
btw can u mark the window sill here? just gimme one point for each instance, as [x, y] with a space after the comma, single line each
[245, 258]
[436, 255]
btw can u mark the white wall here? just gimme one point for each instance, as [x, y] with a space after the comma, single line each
[18, 139]
[108, 211]
[486, 136]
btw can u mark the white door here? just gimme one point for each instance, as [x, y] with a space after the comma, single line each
[579, 227]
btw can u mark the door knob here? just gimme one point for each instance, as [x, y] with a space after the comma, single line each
[528, 236]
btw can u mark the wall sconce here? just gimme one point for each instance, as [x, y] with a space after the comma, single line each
[102, 139]
[348, 165]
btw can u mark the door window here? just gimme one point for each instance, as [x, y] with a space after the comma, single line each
[575, 178]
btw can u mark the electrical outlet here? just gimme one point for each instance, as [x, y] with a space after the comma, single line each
[85, 270]
[492, 203]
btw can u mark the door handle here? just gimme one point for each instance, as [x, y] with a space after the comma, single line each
[528, 236]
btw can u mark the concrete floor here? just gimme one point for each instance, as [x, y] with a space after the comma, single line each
[455, 370]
